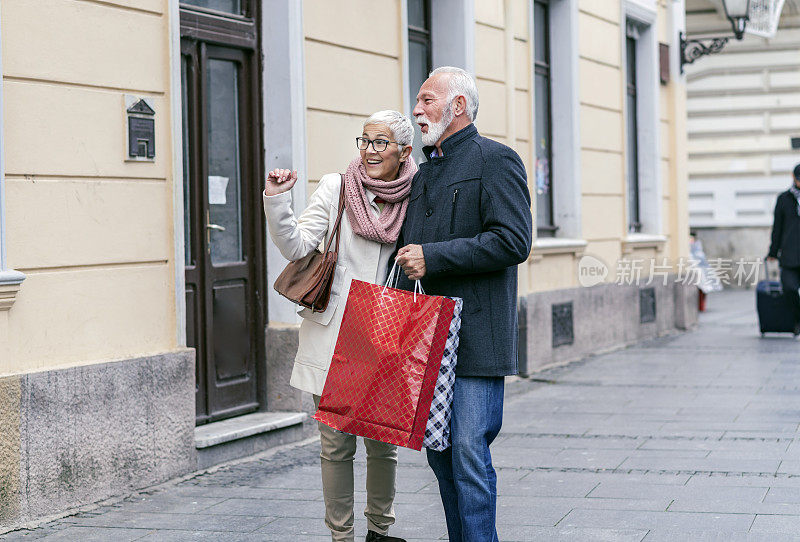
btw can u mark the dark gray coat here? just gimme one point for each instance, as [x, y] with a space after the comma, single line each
[785, 231]
[470, 211]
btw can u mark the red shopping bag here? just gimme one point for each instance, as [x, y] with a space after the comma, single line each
[385, 365]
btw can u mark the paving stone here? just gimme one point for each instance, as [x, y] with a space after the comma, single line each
[86, 534]
[700, 464]
[659, 535]
[732, 506]
[785, 525]
[568, 534]
[197, 522]
[271, 508]
[294, 528]
[618, 490]
[212, 536]
[783, 495]
[790, 466]
[634, 519]
[166, 504]
[738, 480]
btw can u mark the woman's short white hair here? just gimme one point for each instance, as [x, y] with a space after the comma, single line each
[461, 83]
[399, 124]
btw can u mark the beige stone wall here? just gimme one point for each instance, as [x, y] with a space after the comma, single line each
[351, 74]
[602, 129]
[92, 231]
[353, 59]
[743, 107]
[603, 206]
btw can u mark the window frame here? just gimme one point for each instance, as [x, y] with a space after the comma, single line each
[632, 199]
[423, 35]
[640, 20]
[565, 111]
[544, 69]
[452, 32]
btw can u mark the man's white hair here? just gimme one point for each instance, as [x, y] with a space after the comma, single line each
[399, 124]
[461, 83]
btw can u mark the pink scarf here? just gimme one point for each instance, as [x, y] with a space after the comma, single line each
[386, 227]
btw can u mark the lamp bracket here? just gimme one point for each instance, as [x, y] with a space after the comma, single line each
[693, 49]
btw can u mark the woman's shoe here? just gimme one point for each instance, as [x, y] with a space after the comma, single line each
[372, 536]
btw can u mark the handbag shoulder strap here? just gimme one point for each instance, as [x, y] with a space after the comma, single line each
[337, 225]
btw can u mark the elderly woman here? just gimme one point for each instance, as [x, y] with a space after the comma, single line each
[377, 184]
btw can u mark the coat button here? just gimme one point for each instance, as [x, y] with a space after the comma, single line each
[429, 212]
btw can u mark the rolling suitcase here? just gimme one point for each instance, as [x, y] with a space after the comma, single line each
[774, 312]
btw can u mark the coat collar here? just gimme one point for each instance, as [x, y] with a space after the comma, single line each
[449, 144]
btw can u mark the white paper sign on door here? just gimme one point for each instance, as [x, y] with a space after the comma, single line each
[216, 190]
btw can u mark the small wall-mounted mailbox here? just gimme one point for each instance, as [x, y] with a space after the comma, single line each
[141, 132]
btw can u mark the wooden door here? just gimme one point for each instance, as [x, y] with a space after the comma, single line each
[223, 222]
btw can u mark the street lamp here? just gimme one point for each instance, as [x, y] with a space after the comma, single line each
[737, 12]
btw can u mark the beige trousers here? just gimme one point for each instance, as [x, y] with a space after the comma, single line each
[337, 451]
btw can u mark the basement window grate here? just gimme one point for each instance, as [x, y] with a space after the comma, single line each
[647, 305]
[563, 331]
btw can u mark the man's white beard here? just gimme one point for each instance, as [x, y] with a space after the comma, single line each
[435, 130]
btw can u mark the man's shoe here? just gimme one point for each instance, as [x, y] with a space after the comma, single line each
[796, 331]
[372, 536]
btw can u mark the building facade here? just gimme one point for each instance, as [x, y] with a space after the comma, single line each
[743, 110]
[140, 337]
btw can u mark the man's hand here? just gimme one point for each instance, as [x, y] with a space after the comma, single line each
[412, 260]
[279, 181]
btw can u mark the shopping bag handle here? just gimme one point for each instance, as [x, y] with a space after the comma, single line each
[394, 277]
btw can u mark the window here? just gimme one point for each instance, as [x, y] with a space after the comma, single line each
[419, 56]
[632, 134]
[643, 191]
[544, 154]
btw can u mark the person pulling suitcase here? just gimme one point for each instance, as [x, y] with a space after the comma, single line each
[785, 247]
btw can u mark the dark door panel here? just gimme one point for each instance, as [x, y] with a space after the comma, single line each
[232, 351]
[223, 222]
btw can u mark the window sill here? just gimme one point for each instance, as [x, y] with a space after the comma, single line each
[10, 282]
[548, 246]
[636, 241]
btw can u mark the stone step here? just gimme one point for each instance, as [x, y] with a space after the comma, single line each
[246, 435]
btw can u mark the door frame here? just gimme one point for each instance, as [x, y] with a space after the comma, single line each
[284, 130]
[254, 166]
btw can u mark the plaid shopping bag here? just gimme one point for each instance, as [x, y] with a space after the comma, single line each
[386, 364]
[437, 433]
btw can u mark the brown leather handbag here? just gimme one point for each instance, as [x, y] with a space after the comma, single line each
[308, 281]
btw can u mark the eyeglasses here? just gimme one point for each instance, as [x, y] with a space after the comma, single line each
[379, 145]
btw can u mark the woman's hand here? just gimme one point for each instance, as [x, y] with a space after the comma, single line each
[280, 181]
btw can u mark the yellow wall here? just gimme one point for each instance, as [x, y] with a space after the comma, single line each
[354, 73]
[92, 232]
[353, 69]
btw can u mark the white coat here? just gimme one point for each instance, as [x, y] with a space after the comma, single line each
[359, 258]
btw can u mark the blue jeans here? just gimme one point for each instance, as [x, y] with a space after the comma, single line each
[467, 480]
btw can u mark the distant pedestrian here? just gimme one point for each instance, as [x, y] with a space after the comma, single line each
[376, 188]
[708, 281]
[467, 228]
[785, 245]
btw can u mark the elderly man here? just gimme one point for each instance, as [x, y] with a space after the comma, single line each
[467, 227]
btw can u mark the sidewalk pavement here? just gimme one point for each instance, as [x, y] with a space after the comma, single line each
[687, 437]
